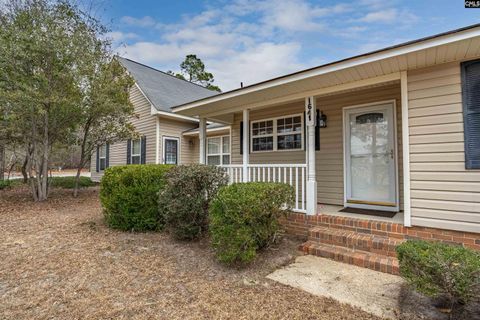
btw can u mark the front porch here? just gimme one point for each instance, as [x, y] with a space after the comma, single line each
[317, 167]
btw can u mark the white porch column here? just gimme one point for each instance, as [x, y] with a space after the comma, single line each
[202, 134]
[246, 140]
[406, 150]
[311, 117]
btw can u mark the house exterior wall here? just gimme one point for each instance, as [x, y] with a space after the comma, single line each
[329, 159]
[188, 146]
[146, 125]
[443, 193]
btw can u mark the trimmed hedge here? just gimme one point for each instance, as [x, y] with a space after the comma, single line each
[129, 196]
[440, 270]
[244, 219]
[69, 182]
[184, 202]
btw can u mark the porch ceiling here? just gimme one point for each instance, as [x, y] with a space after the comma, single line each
[366, 70]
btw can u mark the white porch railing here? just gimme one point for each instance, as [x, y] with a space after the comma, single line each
[292, 174]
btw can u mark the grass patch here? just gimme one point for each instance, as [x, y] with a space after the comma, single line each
[69, 182]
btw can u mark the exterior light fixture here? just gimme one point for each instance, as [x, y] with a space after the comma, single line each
[322, 120]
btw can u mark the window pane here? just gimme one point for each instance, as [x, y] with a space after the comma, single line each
[213, 160]
[135, 159]
[226, 159]
[262, 144]
[136, 146]
[226, 145]
[213, 146]
[103, 151]
[102, 163]
[291, 141]
[287, 125]
[262, 128]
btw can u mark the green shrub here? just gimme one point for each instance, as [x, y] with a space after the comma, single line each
[184, 202]
[244, 218]
[4, 184]
[69, 182]
[129, 196]
[440, 270]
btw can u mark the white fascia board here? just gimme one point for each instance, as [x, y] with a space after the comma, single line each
[195, 132]
[429, 43]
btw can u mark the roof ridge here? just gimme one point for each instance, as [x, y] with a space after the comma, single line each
[165, 73]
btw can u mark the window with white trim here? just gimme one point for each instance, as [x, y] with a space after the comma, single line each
[102, 157]
[136, 154]
[283, 133]
[218, 150]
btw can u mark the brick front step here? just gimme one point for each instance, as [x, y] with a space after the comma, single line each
[363, 259]
[355, 240]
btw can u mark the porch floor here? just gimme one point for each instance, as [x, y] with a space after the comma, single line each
[334, 210]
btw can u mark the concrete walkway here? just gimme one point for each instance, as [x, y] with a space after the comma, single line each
[382, 294]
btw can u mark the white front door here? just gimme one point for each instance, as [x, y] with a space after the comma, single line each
[370, 157]
[170, 150]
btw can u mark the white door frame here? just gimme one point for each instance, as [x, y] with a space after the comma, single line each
[178, 147]
[395, 151]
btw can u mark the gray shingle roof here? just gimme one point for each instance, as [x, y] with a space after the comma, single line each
[163, 90]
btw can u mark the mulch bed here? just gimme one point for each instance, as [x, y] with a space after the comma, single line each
[59, 261]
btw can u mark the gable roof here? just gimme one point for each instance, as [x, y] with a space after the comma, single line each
[162, 89]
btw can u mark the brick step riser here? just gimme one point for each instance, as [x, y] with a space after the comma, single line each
[365, 226]
[363, 262]
[378, 246]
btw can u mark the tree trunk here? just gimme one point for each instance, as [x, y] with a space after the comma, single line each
[83, 150]
[2, 161]
[24, 168]
[77, 181]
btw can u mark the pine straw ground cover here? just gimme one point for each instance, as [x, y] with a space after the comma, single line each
[59, 261]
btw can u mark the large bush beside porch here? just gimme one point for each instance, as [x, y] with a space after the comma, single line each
[129, 196]
[438, 269]
[184, 202]
[244, 219]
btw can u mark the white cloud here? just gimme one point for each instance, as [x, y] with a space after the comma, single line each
[249, 41]
[386, 16]
[391, 15]
[117, 36]
[256, 64]
[146, 21]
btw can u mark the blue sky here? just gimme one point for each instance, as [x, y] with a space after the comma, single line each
[251, 41]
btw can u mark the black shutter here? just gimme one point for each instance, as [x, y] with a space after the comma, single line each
[97, 163]
[241, 137]
[129, 151]
[143, 154]
[317, 132]
[471, 112]
[107, 156]
[305, 141]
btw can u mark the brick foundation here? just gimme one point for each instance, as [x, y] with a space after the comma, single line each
[299, 224]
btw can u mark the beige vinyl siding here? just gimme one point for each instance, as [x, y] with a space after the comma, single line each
[188, 145]
[329, 160]
[267, 157]
[443, 193]
[145, 125]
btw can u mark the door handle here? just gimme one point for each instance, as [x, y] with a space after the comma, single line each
[391, 153]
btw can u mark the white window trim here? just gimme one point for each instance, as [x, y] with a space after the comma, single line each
[100, 158]
[135, 154]
[164, 138]
[221, 154]
[275, 134]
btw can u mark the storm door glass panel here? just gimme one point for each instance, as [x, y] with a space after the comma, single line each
[371, 157]
[171, 151]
